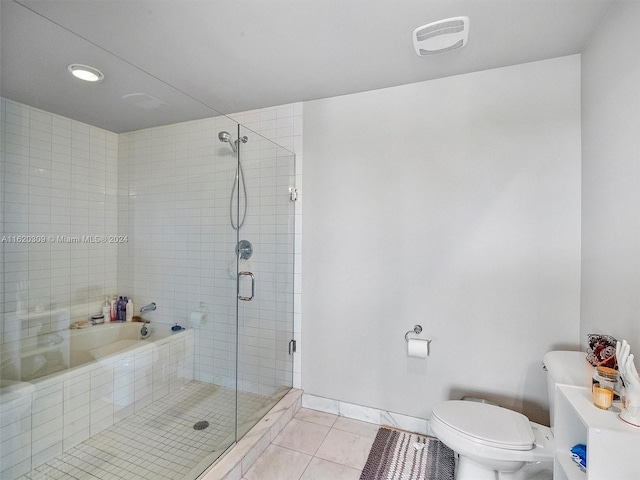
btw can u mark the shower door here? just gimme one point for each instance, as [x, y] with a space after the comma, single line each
[264, 214]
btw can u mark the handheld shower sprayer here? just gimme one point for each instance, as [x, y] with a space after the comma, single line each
[226, 137]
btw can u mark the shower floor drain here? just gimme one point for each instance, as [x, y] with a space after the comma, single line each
[201, 425]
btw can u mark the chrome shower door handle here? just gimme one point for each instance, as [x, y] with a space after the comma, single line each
[253, 286]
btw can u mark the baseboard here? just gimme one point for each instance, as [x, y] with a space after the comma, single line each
[366, 414]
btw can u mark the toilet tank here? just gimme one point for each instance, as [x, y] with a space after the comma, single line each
[565, 368]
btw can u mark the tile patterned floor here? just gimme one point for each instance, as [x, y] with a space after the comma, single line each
[316, 446]
[158, 442]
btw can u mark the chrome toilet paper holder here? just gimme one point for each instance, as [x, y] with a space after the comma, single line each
[417, 330]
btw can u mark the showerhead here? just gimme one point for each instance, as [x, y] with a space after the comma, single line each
[227, 138]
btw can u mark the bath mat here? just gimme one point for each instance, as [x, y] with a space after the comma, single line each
[394, 456]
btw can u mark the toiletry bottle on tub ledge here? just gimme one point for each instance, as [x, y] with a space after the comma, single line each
[106, 310]
[129, 310]
[114, 309]
[120, 309]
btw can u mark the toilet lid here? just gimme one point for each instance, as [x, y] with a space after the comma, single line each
[487, 424]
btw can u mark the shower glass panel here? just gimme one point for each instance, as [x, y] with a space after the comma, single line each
[265, 239]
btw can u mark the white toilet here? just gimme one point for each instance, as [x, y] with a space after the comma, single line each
[496, 443]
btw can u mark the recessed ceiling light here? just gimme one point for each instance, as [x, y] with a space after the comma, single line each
[86, 73]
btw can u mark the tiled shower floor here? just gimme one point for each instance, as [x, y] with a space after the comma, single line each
[159, 442]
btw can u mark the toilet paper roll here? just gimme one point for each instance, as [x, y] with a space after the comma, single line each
[418, 348]
[196, 318]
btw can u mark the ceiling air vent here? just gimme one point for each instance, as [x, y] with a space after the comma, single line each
[441, 36]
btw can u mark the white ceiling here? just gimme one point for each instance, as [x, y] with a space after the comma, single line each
[237, 55]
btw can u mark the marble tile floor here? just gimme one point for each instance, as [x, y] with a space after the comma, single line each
[159, 441]
[316, 446]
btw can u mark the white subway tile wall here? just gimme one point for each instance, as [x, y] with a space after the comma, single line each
[164, 192]
[177, 181]
[163, 195]
[60, 180]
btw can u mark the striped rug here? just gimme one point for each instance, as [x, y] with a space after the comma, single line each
[398, 455]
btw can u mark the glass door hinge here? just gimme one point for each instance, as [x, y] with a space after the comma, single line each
[292, 347]
[293, 194]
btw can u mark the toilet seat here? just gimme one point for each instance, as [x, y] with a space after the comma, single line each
[486, 424]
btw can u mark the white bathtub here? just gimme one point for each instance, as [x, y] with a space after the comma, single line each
[102, 341]
[37, 357]
[62, 388]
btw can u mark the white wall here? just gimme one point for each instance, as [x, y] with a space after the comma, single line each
[454, 204]
[610, 299]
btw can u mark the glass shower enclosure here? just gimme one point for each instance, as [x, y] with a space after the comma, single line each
[157, 197]
[264, 256]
